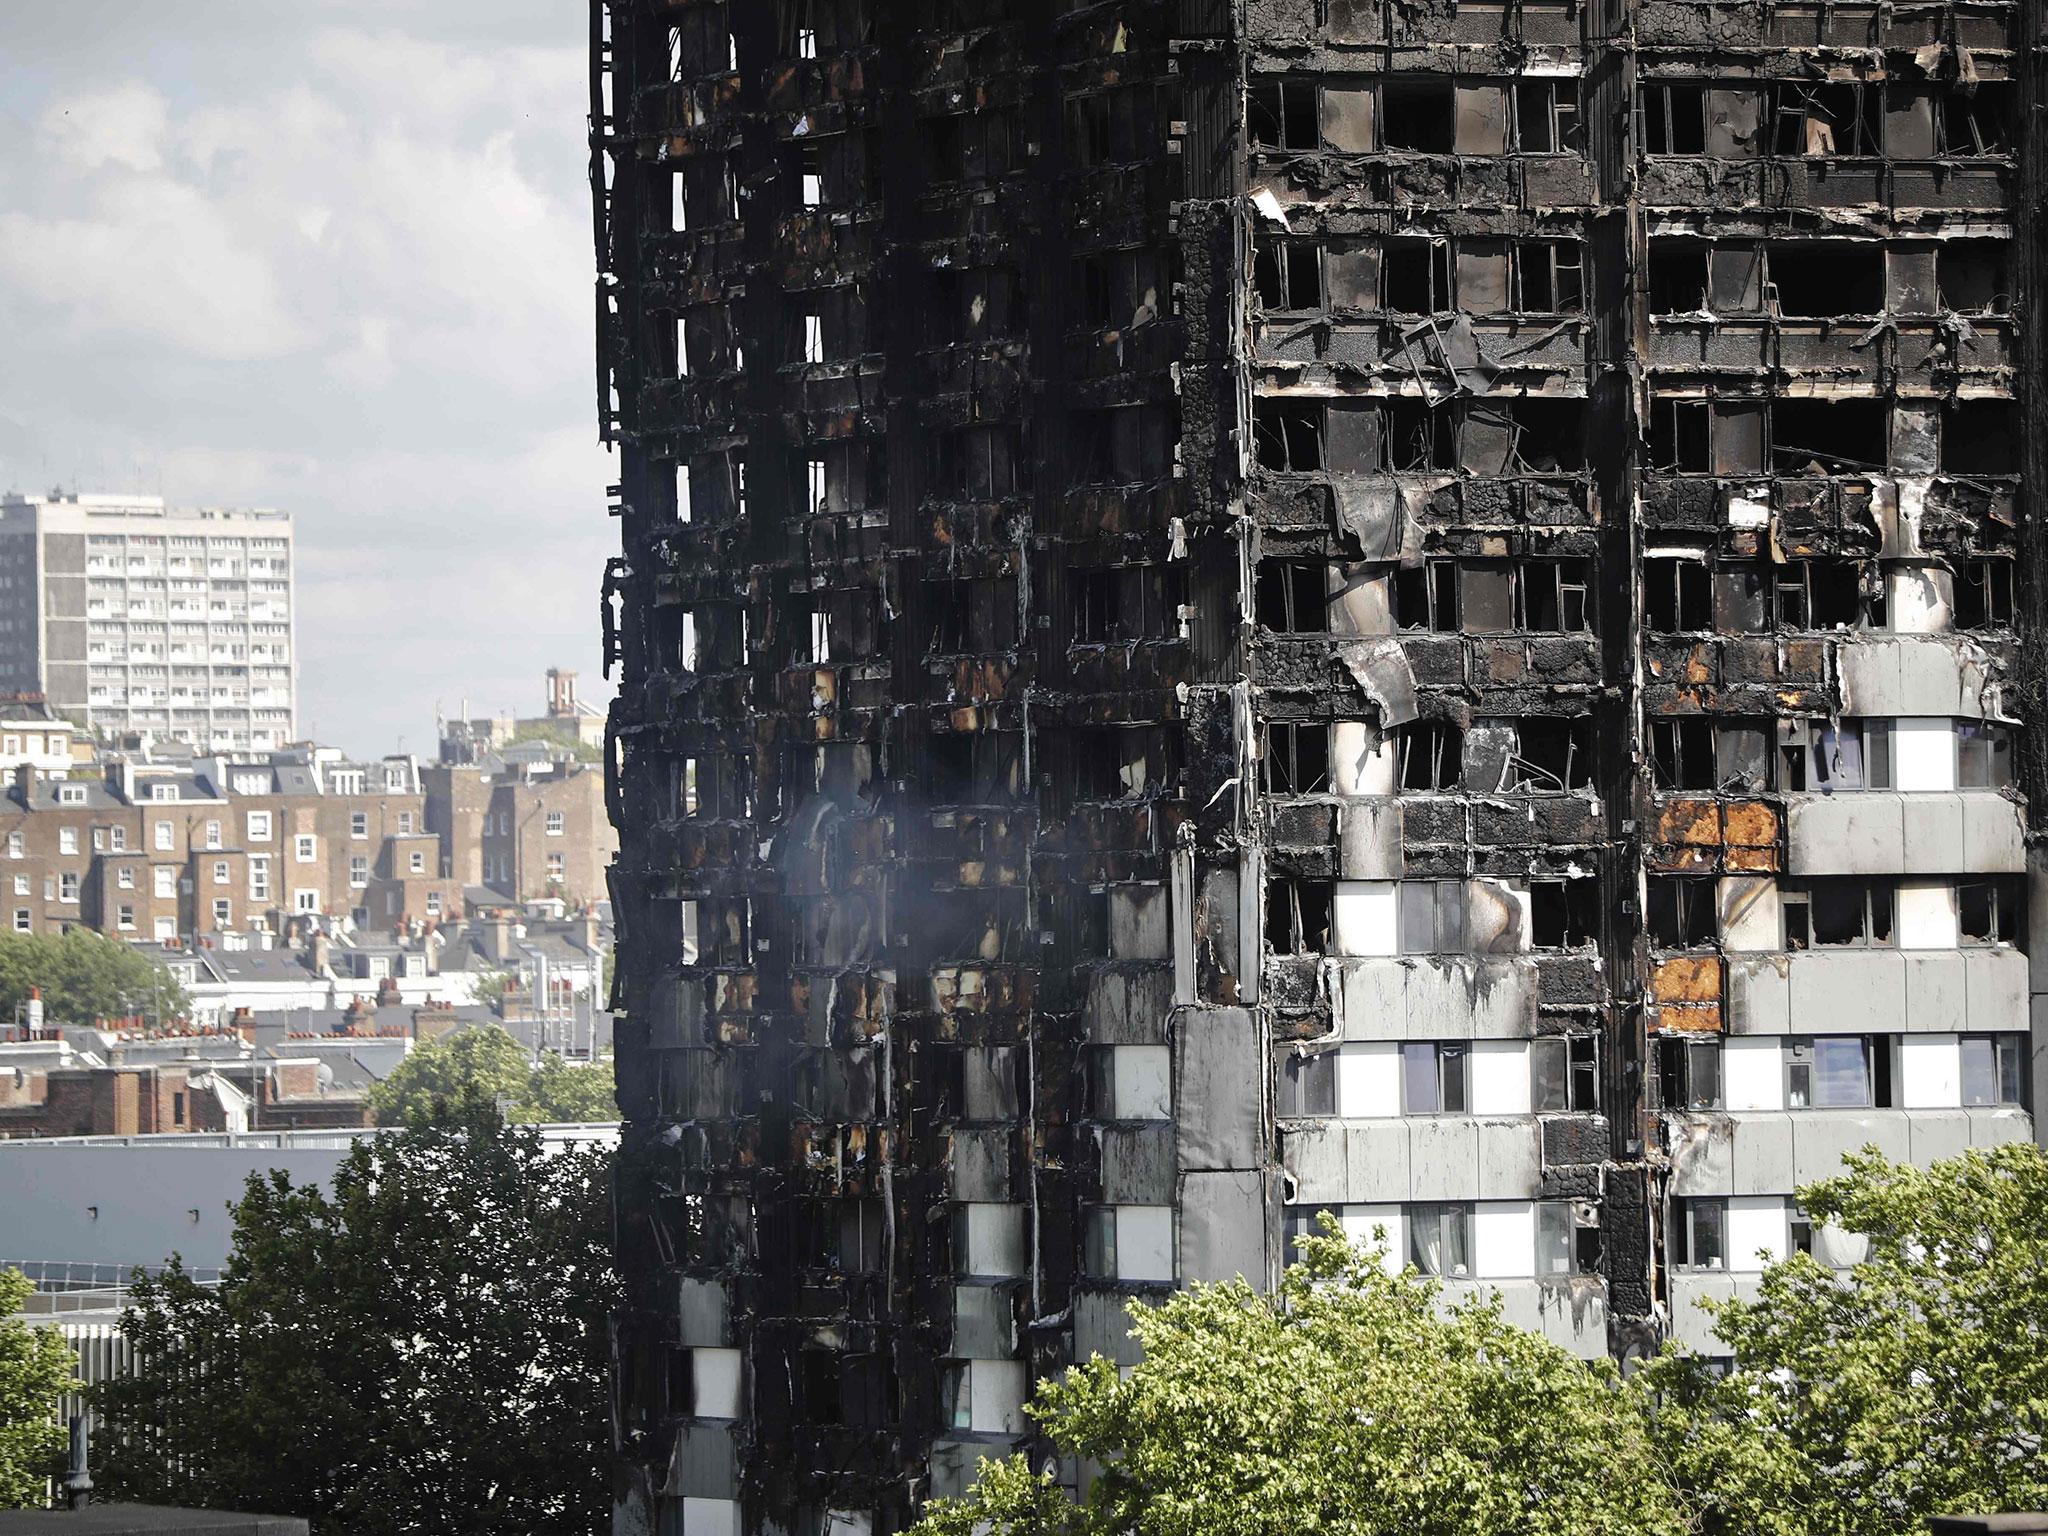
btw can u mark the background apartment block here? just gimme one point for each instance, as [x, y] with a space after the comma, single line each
[134, 617]
[1234, 612]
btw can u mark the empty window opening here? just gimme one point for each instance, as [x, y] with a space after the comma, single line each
[1417, 112]
[1678, 277]
[1567, 1238]
[1682, 754]
[1837, 912]
[1827, 436]
[1980, 437]
[1431, 755]
[1828, 594]
[1420, 436]
[1119, 762]
[1426, 596]
[1132, 602]
[1677, 594]
[1293, 596]
[1435, 1078]
[1297, 757]
[1289, 434]
[1844, 277]
[1547, 116]
[1682, 911]
[1688, 1073]
[1565, 913]
[1973, 277]
[1553, 595]
[1977, 122]
[1564, 1075]
[1298, 916]
[1416, 273]
[1283, 115]
[1983, 594]
[1550, 754]
[1289, 274]
[1988, 911]
[1674, 119]
[1833, 119]
[1550, 277]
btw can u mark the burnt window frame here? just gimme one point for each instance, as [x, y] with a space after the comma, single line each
[1283, 587]
[1432, 754]
[1572, 1085]
[1690, 1074]
[1870, 902]
[1989, 912]
[1296, 908]
[1682, 913]
[1284, 768]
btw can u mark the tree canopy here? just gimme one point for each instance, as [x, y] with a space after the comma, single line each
[1862, 1409]
[487, 1066]
[422, 1351]
[1352, 1402]
[1855, 1404]
[86, 976]
[35, 1371]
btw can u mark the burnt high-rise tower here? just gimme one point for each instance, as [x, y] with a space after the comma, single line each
[1235, 609]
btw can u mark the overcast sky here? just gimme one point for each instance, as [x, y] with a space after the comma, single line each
[331, 257]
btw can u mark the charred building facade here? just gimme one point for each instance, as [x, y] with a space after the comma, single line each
[1237, 608]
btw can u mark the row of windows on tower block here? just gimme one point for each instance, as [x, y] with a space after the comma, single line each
[1688, 434]
[1423, 273]
[1747, 913]
[1735, 119]
[1763, 1073]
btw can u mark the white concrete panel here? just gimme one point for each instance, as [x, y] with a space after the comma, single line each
[1362, 1222]
[1756, 1224]
[1930, 1071]
[1144, 1242]
[1927, 915]
[715, 1380]
[1500, 1077]
[1751, 915]
[1369, 1080]
[1144, 1082]
[1753, 1072]
[711, 1517]
[995, 1397]
[1504, 1239]
[1366, 917]
[995, 1238]
[1924, 752]
[1916, 599]
[1360, 763]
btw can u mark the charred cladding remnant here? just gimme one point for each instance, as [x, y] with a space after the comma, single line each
[1236, 610]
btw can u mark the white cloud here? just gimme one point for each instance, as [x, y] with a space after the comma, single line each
[359, 291]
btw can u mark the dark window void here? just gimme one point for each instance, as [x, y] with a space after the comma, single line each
[1417, 112]
[1293, 596]
[1564, 914]
[1707, 436]
[1983, 594]
[1288, 274]
[1988, 911]
[1843, 911]
[1674, 119]
[974, 768]
[1678, 277]
[1298, 916]
[1838, 118]
[1827, 436]
[1283, 115]
[1682, 911]
[1688, 1073]
[1844, 277]
[1677, 595]
[1417, 275]
[1550, 754]
[1289, 433]
[1297, 760]
[1431, 755]
[1980, 437]
[1973, 276]
[1131, 602]
[1700, 753]
[1979, 123]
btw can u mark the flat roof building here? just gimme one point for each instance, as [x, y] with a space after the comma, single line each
[131, 616]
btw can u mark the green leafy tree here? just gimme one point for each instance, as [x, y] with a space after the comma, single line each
[1920, 1389]
[86, 976]
[487, 1066]
[422, 1351]
[35, 1371]
[1351, 1403]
